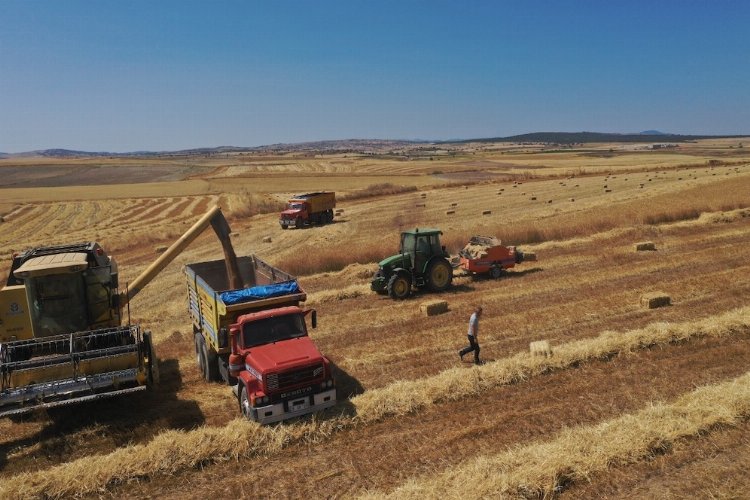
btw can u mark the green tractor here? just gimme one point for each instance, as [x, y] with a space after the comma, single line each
[421, 262]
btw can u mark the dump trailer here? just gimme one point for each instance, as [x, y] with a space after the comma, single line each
[487, 255]
[310, 208]
[255, 339]
[62, 337]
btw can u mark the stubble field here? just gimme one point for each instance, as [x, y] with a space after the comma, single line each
[633, 401]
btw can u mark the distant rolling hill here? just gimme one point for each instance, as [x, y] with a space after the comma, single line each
[580, 137]
[384, 145]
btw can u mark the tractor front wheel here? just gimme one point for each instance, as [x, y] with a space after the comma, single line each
[399, 286]
[439, 275]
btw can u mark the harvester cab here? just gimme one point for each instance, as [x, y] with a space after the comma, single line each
[422, 262]
[68, 288]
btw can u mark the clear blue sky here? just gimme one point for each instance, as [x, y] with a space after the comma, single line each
[162, 75]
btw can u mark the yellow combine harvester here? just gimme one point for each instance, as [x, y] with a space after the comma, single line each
[61, 334]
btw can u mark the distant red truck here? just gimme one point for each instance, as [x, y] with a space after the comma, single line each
[310, 208]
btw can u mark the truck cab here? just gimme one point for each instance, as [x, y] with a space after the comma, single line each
[295, 214]
[280, 372]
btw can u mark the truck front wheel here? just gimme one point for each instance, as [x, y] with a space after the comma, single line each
[245, 408]
[298, 223]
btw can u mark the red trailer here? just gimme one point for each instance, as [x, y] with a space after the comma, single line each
[486, 255]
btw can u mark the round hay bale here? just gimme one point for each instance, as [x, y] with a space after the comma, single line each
[533, 198]
[486, 212]
[607, 190]
[454, 204]
[420, 205]
[160, 248]
[572, 199]
[267, 239]
[450, 212]
[645, 246]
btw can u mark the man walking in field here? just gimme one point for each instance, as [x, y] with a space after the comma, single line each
[473, 336]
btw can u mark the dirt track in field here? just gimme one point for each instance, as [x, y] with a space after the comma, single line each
[576, 289]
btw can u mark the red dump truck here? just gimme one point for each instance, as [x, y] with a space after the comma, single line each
[255, 339]
[310, 208]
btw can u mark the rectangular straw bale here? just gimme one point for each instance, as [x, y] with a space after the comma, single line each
[450, 212]
[644, 246]
[160, 248]
[652, 300]
[486, 212]
[420, 205]
[433, 307]
[530, 256]
[540, 348]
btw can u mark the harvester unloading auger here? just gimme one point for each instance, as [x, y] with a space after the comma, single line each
[62, 340]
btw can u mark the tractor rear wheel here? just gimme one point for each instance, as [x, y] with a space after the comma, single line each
[399, 286]
[439, 275]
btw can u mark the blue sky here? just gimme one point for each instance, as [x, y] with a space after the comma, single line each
[163, 75]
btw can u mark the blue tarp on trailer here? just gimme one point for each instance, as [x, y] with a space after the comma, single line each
[259, 292]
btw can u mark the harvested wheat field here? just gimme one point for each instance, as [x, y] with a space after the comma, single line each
[627, 400]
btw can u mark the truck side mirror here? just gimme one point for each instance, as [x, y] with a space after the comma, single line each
[314, 318]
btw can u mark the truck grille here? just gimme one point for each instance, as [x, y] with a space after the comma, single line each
[286, 380]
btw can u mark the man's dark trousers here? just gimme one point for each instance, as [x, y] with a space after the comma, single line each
[473, 346]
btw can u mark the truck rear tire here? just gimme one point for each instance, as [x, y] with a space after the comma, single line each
[439, 275]
[496, 272]
[208, 364]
